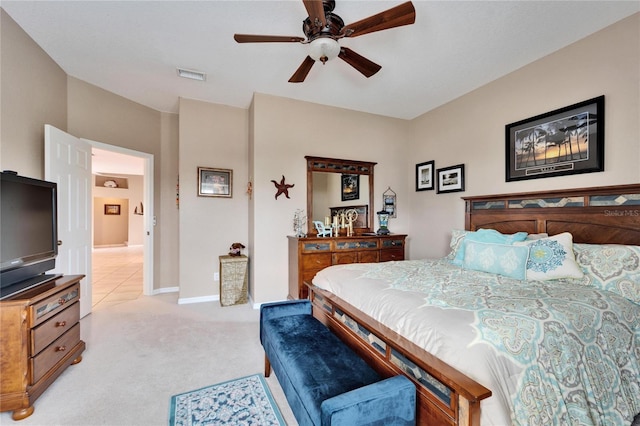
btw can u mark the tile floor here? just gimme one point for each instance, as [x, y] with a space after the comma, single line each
[117, 275]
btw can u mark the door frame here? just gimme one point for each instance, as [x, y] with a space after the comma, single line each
[148, 217]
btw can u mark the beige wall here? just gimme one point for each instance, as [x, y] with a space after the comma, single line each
[284, 131]
[110, 229]
[471, 129]
[102, 116]
[210, 136]
[166, 251]
[134, 231]
[33, 93]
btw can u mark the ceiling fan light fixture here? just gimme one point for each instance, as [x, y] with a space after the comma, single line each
[323, 49]
[192, 74]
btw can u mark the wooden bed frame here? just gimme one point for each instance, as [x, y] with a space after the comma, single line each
[445, 396]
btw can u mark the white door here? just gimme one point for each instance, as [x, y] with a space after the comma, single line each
[67, 161]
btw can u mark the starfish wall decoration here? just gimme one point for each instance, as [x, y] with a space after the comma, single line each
[283, 188]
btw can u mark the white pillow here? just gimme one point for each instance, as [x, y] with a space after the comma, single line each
[537, 236]
[552, 258]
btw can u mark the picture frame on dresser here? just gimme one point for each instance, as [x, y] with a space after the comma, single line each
[564, 141]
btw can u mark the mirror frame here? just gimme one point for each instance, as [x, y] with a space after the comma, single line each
[334, 165]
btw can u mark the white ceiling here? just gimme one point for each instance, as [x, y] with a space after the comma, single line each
[132, 48]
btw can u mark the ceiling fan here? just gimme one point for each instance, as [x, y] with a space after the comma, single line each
[323, 29]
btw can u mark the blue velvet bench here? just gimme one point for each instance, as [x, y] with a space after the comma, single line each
[325, 382]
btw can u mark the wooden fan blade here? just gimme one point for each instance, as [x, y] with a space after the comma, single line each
[302, 71]
[315, 9]
[362, 64]
[256, 38]
[404, 14]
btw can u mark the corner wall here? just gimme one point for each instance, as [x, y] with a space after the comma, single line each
[471, 129]
[284, 132]
[33, 92]
[210, 136]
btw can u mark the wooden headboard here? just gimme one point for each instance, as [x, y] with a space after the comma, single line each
[599, 215]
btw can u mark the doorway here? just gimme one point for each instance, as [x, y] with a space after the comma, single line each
[131, 171]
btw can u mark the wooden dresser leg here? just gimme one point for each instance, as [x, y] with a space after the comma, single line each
[22, 413]
[77, 360]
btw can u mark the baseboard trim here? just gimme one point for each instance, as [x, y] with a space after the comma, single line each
[201, 299]
[165, 290]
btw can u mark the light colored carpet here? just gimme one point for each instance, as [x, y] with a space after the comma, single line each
[141, 352]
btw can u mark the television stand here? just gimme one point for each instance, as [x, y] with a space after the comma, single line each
[40, 338]
[20, 286]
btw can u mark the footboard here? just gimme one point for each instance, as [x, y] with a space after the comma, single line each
[444, 395]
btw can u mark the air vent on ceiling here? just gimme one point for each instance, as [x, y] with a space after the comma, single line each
[192, 74]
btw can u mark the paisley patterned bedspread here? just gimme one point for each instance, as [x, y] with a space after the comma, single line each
[552, 352]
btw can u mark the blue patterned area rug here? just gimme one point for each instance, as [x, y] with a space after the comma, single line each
[244, 401]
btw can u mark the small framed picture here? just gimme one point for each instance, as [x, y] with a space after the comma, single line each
[424, 176]
[214, 182]
[350, 187]
[112, 209]
[451, 179]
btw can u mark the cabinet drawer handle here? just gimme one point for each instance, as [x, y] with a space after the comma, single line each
[317, 246]
[62, 301]
[61, 323]
[61, 348]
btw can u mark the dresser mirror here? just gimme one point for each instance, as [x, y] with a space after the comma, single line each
[334, 184]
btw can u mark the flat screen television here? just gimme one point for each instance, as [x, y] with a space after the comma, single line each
[28, 232]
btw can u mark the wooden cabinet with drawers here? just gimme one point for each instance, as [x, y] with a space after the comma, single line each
[307, 256]
[40, 338]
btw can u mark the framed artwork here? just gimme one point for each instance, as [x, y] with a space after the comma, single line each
[112, 209]
[350, 187]
[451, 179]
[214, 182]
[424, 176]
[363, 214]
[565, 141]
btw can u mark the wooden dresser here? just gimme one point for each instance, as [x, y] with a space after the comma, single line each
[307, 256]
[40, 338]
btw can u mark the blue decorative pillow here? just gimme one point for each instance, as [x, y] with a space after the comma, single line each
[503, 259]
[552, 258]
[486, 236]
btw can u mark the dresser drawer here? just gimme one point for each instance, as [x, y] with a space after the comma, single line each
[391, 254]
[316, 261]
[53, 353]
[316, 246]
[54, 327]
[368, 256]
[344, 258]
[392, 242]
[50, 306]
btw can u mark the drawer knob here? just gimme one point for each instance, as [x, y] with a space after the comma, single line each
[317, 246]
[61, 348]
[62, 301]
[61, 323]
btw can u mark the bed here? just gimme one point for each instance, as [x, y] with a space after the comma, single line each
[490, 373]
